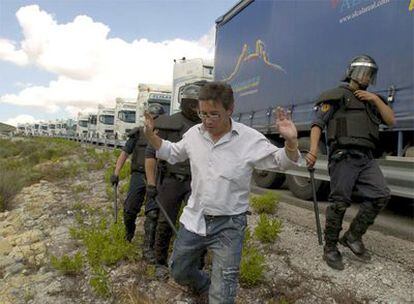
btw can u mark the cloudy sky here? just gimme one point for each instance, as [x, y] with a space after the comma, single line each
[61, 56]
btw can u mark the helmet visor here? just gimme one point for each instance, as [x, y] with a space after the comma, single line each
[364, 73]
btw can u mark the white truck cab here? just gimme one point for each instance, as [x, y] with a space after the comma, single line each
[152, 93]
[92, 121]
[43, 131]
[105, 123]
[82, 126]
[125, 110]
[188, 71]
[51, 128]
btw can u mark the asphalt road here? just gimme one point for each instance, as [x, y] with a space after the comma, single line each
[396, 220]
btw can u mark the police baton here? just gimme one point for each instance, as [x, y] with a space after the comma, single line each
[315, 204]
[116, 203]
[166, 216]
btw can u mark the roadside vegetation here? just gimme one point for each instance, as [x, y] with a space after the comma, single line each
[27, 161]
[268, 228]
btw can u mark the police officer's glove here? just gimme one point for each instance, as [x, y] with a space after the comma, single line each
[151, 191]
[114, 180]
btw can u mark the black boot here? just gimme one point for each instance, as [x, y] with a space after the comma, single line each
[333, 258]
[150, 226]
[129, 222]
[333, 226]
[356, 245]
[162, 241]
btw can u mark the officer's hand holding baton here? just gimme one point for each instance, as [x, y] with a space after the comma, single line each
[114, 181]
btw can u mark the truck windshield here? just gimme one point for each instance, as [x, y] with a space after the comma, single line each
[52, 127]
[36, 126]
[127, 116]
[44, 127]
[106, 119]
[83, 123]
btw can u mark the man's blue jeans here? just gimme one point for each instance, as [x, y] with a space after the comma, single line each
[224, 238]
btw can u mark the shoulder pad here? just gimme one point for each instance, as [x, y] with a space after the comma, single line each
[333, 95]
[134, 132]
[173, 122]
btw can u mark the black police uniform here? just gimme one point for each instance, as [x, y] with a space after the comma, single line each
[135, 145]
[352, 129]
[173, 181]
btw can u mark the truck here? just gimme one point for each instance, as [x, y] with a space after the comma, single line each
[82, 125]
[151, 93]
[51, 128]
[105, 124]
[92, 121]
[187, 71]
[125, 120]
[285, 53]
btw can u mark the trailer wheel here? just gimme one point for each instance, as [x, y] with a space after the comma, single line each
[301, 186]
[269, 179]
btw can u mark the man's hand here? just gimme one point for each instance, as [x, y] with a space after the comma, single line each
[151, 191]
[310, 159]
[285, 125]
[149, 125]
[366, 96]
[114, 179]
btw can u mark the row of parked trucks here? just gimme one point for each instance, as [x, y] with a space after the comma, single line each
[108, 124]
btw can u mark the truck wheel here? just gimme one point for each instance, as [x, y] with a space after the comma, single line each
[269, 179]
[301, 186]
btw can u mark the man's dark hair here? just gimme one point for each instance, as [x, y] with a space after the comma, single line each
[217, 92]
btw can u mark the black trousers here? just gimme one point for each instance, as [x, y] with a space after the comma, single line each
[354, 175]
[172, 192]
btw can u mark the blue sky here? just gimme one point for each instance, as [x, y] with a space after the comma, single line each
[46, 66]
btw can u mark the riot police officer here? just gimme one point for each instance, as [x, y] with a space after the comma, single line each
[173, 181]
[351, 116]
[135, 145]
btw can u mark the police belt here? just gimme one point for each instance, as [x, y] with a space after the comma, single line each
[140, 169]
[355, 152]
[177, 176]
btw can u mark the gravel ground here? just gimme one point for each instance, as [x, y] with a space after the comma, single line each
[297, 273]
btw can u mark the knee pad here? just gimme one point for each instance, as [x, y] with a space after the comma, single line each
[153, 214]
[339, 207]
[380, 203]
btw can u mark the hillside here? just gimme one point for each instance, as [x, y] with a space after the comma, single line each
[4, 128]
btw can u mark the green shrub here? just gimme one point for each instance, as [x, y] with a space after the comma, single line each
[251, 267]
[105, 243]
[11, 182]
[266, 203]
[100, 282]
[267, 230]
[68, 265]
[116, 152]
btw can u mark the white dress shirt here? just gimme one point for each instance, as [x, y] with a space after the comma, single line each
[221, 171]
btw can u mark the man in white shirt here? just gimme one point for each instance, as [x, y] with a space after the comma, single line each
[222, 154]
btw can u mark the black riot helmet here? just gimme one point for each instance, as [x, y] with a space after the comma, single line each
[362, 69]
[155, 109]
[188, 100]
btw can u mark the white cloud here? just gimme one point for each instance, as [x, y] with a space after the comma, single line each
[8, 52]
[20, 119]
[90, 68]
